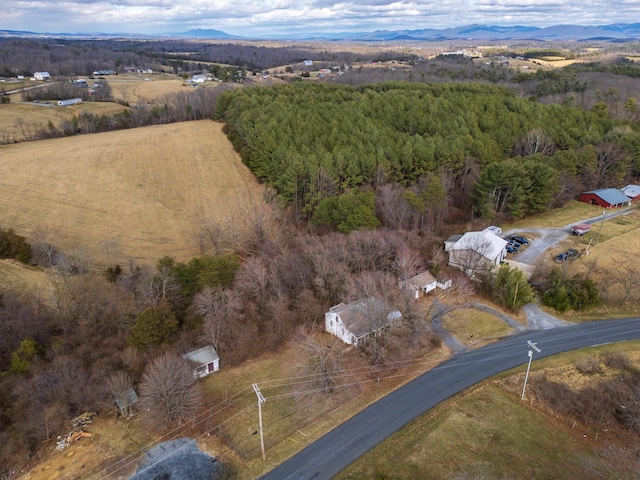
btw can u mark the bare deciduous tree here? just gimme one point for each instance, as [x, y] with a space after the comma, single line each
[169, 392]
[220, 310]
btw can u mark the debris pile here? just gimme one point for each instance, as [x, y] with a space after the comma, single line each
[78, 424]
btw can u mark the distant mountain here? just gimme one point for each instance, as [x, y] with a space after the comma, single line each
[517, 32]
[618, 32]
[207, 33]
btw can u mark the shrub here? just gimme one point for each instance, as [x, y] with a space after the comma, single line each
[589, 366]
[14, 246]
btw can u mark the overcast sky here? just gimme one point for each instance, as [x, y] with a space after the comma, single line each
[278, 17]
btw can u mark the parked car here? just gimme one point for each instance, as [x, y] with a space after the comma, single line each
[515, 245]
[568, 255]
[520, 240]
[512, 249]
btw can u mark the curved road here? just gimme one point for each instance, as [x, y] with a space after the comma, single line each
[330, 454]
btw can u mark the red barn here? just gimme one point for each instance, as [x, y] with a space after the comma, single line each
[605, 197]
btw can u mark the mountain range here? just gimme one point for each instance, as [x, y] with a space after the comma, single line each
[612, 32]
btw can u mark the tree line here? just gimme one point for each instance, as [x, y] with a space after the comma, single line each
[314, 142]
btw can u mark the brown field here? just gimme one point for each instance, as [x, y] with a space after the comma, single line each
[134, 90]
[141, 189]
[36, 116]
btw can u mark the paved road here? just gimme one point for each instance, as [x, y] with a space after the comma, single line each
[332, 453]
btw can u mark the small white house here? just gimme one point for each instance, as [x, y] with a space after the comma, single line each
[204, 361]
[199, 78]
[41, 76]
[422, 283]
[355, 321]
[307, 63]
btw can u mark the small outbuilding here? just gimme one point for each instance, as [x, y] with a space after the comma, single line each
[355, 321]
[631, 191]
[422, 283]
[125, 400]
[606, 198]
[204, 361]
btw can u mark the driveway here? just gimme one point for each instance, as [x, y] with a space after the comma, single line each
[550, 237]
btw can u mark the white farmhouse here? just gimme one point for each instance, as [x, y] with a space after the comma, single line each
[41, 76]
[476, 252]
[355, 321]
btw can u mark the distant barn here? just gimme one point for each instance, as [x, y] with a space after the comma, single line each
[605, 197]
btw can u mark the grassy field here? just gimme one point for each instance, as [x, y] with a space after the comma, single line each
[18, 277]
[134, 89]
[37, 116]
[571, 213]
[471, 326]
[143, 190]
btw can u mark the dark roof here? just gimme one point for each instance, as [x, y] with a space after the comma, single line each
[126, 398]
[610, 195]
[177, 460]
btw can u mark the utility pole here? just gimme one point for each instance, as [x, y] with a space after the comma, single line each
[533, 347]
[601, 224]
[261, 400]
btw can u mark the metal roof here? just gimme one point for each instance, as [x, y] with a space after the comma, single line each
[202, 355]
[486, 243]
[365, 315]
[631, 191]
[610, 195]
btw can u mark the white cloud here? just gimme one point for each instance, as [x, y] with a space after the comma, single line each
[281, 16]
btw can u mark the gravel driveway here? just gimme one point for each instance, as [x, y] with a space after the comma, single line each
[550, 237]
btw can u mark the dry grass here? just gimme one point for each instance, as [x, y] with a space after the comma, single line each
[37, 116]
[471, 326]
[143, 189]
[18, 277]
[134, 89]
[571, 213]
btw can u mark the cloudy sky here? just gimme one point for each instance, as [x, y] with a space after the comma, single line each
[279, 17]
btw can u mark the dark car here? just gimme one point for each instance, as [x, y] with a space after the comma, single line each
[568, 255]
[512, 249]
[520, 240]
[515, 245]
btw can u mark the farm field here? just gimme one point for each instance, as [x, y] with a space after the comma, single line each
[17, 277]
[134, 89]
[36, 116]
[144, 191]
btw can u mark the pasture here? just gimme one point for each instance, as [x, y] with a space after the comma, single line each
[132, 194]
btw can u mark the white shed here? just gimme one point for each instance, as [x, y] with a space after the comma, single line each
[204, 361]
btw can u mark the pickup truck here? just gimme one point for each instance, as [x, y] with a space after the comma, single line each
[580, 229]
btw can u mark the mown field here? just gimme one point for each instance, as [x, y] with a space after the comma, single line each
[144, 190]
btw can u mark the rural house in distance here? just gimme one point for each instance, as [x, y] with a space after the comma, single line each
[355, 321]
[204, 361]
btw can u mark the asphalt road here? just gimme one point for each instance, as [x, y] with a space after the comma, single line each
[330, 454]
